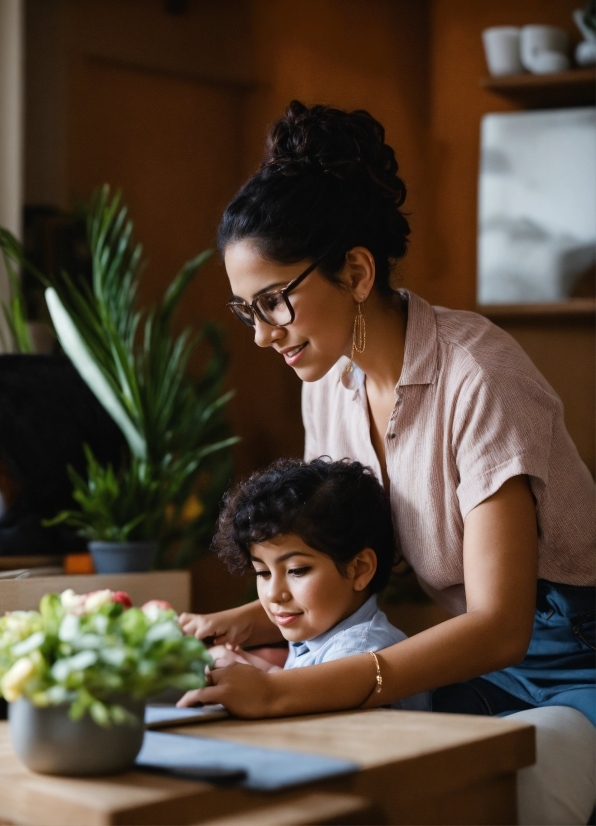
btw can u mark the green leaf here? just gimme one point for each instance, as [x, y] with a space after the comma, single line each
[181, 282]
[76, 349]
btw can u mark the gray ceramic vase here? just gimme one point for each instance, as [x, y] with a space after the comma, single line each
[49, 742]
[123, 557]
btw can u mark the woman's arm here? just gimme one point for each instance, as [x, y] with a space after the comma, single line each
[500, 569]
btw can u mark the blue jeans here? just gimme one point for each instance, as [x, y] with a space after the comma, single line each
[559, 668]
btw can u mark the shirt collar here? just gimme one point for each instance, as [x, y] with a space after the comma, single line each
[421, 350]
[364, 614]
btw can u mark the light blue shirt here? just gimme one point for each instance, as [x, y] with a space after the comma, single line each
[367, 629]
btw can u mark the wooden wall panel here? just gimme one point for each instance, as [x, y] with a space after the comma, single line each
[457, 104]
[172, 146]
[350, 54]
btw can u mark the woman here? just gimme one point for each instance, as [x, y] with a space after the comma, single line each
[492, 505]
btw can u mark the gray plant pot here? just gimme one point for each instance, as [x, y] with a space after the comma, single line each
[123, 557]
[49, 742]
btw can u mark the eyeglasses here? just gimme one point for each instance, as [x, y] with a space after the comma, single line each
[274, 307]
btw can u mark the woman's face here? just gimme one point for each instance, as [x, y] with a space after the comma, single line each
[324, 312]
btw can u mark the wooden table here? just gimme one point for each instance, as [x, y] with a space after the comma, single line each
[417, 768]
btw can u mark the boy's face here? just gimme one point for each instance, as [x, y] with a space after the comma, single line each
[301, 589]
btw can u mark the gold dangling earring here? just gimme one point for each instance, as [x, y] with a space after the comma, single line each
[358, 337]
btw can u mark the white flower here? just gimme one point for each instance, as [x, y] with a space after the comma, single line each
[152, 610]
[168, 630]
[18, 623]
[28, 645]
[69, 628]
[113, 656]
[100, 623]
[62, 669]
[72, 602]
[96, 599]
[15, 678]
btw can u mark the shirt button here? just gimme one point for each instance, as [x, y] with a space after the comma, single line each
[392, 435]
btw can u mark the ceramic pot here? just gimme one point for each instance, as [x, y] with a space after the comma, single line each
[49, 742]
[122, 557]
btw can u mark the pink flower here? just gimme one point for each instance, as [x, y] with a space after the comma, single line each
[123, 598]
[153, 608]
[84, 603]
[161, 604]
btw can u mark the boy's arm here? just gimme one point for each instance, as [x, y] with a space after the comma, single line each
[259, 662]
[224, 655]
[247, 624]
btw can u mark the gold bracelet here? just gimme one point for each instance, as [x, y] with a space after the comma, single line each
[379, 678]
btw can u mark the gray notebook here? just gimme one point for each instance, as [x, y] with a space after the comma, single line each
[165, 716]
[251, 767]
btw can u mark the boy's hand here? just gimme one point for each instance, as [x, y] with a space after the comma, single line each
[233, 626]
[227, 655]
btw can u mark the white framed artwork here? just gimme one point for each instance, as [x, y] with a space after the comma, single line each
[536, 205]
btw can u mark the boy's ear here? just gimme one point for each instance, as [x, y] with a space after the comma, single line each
[362, 568]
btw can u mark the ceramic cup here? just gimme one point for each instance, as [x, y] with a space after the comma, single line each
[501, 47]
[544, 49]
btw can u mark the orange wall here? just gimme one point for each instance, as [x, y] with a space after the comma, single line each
[179, 137]
[371, 55]
[351, 54]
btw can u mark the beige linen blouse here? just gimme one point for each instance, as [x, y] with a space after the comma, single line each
[471, 411]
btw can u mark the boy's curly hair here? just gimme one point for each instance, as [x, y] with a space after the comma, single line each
[337, 508]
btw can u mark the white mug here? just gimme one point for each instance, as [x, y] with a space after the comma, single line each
[544, 49]
[502, 50]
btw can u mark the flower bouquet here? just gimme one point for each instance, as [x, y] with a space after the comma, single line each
[81, 667]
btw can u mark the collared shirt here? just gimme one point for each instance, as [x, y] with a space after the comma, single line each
[471, 411]
[367, 629]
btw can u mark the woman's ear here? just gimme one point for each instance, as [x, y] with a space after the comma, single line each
[359, 272]
[362, 568]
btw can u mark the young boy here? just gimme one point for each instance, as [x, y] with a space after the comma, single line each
[320, 540]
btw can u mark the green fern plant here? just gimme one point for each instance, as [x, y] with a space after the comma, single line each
[169, 487]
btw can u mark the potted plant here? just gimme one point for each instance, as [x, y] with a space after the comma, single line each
[76, 674]
[158, 507]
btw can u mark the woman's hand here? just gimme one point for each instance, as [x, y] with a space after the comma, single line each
[244, 690]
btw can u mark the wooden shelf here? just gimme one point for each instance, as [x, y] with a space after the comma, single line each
[573, 88]
[581, 310]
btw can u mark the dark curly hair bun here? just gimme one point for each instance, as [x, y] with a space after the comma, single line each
[328, 183]
[337, 508]
[347, 145]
